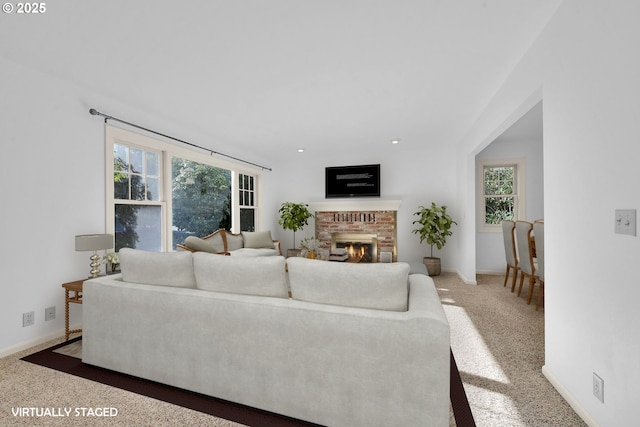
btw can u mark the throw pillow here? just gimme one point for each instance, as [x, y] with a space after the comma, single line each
[376, 286]
[257, 239]
[262, 276]
[157, 268]
[198, 244]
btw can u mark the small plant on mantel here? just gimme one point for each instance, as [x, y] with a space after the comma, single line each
[435, 227]
[294, 216]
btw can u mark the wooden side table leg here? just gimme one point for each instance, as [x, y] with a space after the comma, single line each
[66, 315]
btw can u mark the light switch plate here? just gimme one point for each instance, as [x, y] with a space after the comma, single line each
[625, 221]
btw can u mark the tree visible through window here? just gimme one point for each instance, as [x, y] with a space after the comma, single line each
[499, 193]
[201, 196]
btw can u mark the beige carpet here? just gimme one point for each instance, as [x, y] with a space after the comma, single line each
[497, 340]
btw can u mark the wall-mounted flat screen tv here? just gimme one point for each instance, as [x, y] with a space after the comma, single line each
[352, 181]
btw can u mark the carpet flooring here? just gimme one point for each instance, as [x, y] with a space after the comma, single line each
[497, 339]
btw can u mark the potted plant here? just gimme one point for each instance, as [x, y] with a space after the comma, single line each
[112, 260]
[434, 227]
[294, 216]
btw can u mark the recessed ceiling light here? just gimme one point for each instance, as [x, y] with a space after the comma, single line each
[300, 150]
[395, 141]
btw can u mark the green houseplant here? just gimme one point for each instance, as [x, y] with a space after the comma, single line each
[434, 227]
[294, 216]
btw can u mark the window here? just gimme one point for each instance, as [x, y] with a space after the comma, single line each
[159, 193]
[137, 199]
[201, 199]
[247, 202]
[500, 192]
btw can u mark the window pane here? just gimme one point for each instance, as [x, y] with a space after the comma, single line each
[121, 186]
[498, 209]
[136, 160]
[138, 188]
[138, 227]
[153, 163]
[120, 158]
[153, 189]
[247, 220]
[201, 197]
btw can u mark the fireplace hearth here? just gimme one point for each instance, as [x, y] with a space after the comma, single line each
[360, 247]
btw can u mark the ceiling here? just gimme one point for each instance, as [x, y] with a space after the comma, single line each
[269, 77]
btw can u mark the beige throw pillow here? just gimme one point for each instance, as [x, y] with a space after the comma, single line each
[257, 239]
[209, 245]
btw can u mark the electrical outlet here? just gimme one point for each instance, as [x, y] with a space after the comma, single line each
[49, 313]
[598, 387]
[625, 221]
[28, 319]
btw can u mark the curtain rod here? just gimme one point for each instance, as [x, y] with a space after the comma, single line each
[94, 112]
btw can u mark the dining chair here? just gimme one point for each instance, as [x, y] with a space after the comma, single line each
[525, 256]
[508, 234]
[538, 235]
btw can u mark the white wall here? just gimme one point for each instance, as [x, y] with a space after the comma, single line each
[53, 187]
[586, 62]
[52, 181]
[490, 245]
[414, 177]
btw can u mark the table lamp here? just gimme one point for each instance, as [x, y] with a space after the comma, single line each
[94, 242]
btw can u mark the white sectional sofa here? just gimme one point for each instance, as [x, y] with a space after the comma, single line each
[354, 345]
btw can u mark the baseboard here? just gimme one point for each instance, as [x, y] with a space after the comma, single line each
[577, 407]
[8, 351]
[491, 272]
[464, 279]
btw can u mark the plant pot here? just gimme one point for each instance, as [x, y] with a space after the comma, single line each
[293, 253]
[433, 265]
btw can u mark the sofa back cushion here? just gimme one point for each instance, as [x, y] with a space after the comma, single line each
[262, 276]
[157, 268]
[376, 286]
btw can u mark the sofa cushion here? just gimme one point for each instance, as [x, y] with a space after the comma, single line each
[377, 286]
[157, 268]
[262, 276]
[212, 244]
[257, 239]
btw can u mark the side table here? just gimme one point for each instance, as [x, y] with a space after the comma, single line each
[72, 294]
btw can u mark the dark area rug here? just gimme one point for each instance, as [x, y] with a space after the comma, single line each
[207, 404]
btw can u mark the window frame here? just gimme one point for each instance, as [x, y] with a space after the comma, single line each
[166, 150]
[519, 191]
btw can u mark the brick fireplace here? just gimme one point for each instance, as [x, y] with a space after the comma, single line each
[372, 223]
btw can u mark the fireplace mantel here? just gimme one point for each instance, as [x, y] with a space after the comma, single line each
[355, 205]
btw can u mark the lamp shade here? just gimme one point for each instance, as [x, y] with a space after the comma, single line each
[94, 242]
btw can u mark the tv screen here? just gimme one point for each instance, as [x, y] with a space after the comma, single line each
[352, 181]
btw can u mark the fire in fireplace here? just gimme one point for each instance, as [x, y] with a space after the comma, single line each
[360, 247]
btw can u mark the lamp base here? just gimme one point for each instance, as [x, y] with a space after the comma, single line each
[95, 265]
